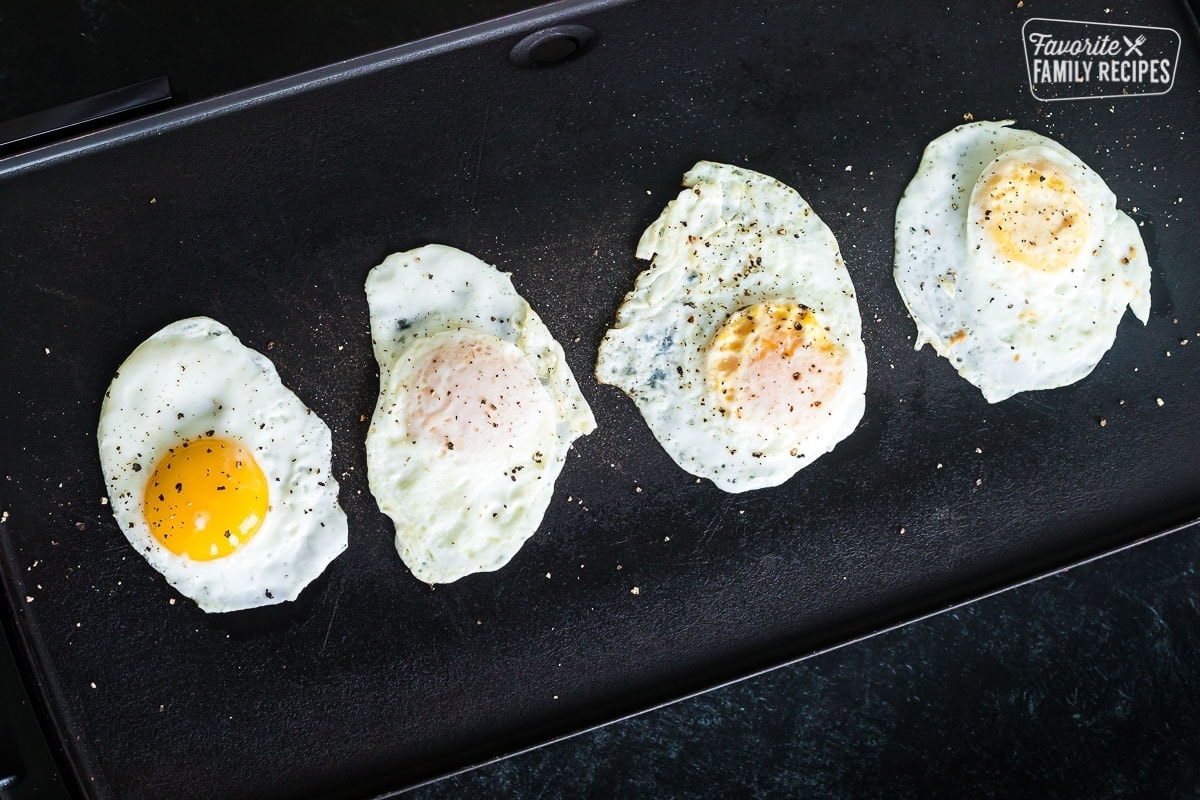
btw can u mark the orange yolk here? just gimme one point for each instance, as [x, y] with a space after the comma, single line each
[206, 498]
[773, 362]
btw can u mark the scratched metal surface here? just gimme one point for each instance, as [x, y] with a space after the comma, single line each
[266, 210]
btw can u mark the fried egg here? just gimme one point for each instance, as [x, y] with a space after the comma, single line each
[1014, 261]
[741, 345]
[217, 474]
[477, 410]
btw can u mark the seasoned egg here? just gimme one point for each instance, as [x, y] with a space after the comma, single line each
[1014, 260]
[218, 475]
[477, 409]
[741, 344]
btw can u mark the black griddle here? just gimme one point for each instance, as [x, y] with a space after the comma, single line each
[266, 208]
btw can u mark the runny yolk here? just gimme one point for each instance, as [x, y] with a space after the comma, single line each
[773, 362]
[1032, 212]
[205, 498]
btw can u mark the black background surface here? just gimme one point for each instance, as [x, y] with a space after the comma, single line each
[1082, 685]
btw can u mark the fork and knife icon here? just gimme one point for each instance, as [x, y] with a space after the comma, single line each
[1134, 46]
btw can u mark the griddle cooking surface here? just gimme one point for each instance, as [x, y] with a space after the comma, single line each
[266, 211]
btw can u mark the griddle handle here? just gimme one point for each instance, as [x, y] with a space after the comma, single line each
[71, 116]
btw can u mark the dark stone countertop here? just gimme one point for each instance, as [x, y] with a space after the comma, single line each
[1084, 684]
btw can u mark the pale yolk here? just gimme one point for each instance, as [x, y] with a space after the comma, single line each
[205, 498]
[773, 362]
[476, 396]
[1032, 213]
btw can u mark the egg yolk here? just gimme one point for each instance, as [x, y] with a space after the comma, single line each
[1032, 213]
[476, 396]
[773, 361]
[205, 498]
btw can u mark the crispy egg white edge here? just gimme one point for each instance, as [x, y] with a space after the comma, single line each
[400, 315]
[282, 558]
[725, 205]
[940, 256]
